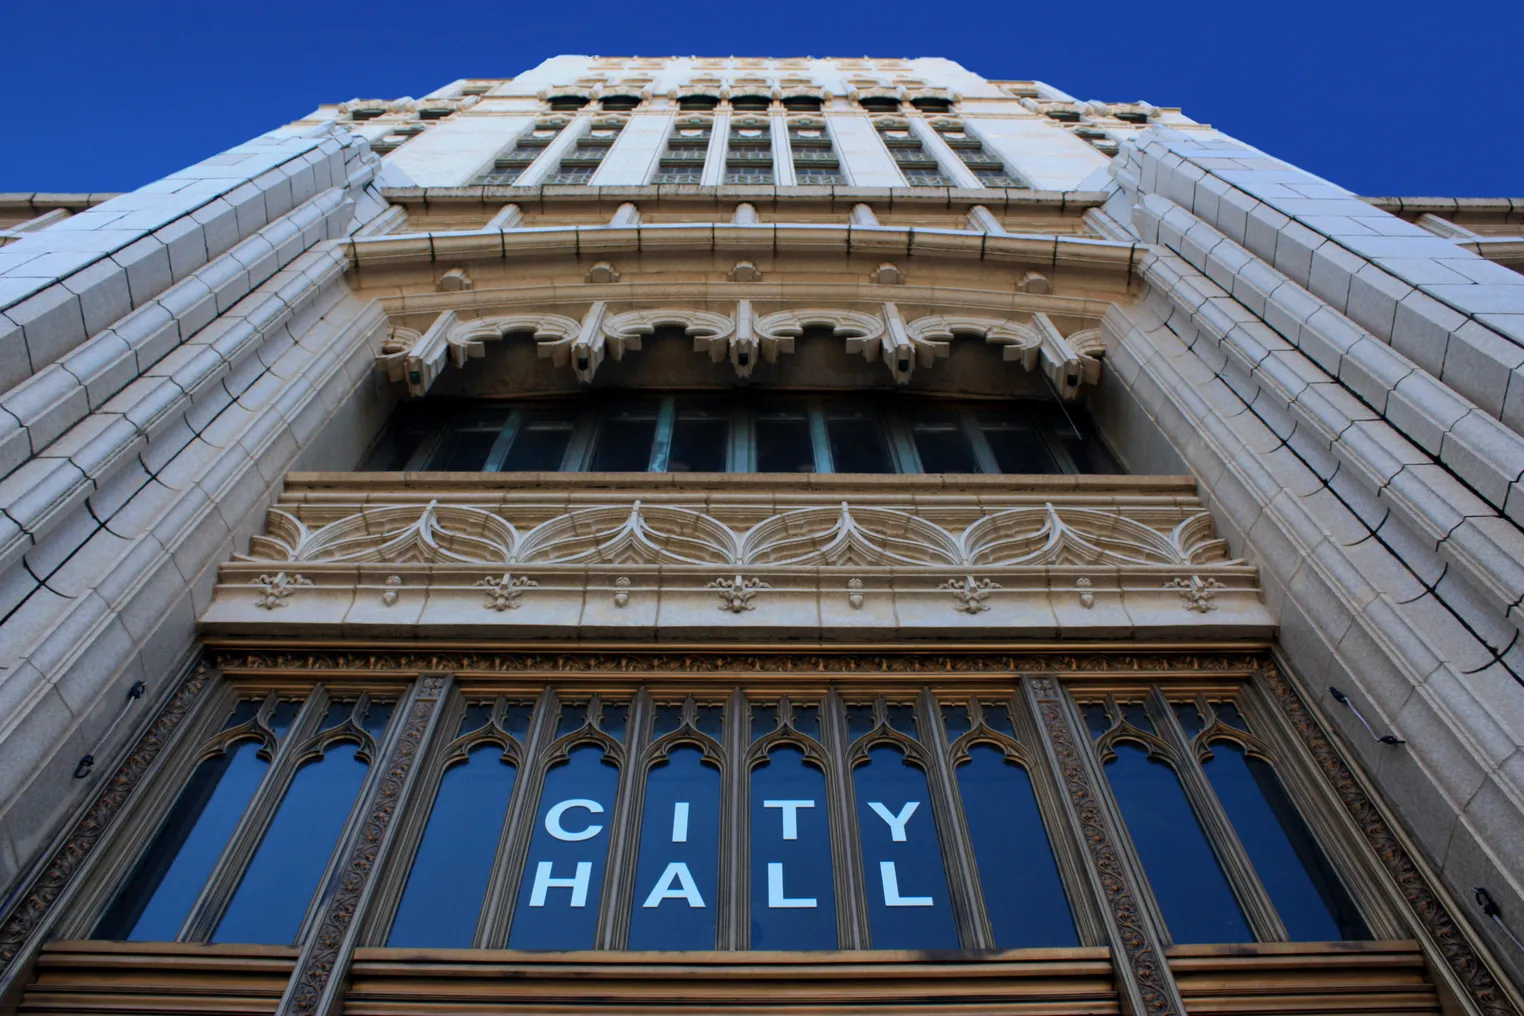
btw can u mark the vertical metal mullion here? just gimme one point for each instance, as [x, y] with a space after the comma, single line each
[624, 830]
[504, 442]
[419, 461]
[518, 827]
[820, 438]
[957, 849]
[1258, 910]
[735, 842]
[227, 874]
[661, 445]
[579, 450]
[742, 457]
[846, 852]
[983, 453]
[907, 459]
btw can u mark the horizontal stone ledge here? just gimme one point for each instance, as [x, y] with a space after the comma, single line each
[868, 241]
[846, 197]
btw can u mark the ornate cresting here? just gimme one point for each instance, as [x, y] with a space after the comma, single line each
[387, 558]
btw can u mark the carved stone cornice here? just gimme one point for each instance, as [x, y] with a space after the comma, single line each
[630, 564]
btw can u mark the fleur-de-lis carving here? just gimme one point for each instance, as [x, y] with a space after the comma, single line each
[970, 593]
[736, 593]
[275, 590]
[1195, 592]
[503, 593]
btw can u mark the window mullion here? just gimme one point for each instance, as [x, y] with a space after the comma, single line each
[579, 451]
[229, 870]
[661, 444]
[419, 461]
[743, 456]
[735, 837]
[901, 443]
[504, 442]
[624, 829]
[518, 827]
[820, 438]
[1252, 897]
[846, 851]
[957, 850]
[1134, 930]
[983, 453]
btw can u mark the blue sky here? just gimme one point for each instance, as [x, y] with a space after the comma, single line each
[1390, 99]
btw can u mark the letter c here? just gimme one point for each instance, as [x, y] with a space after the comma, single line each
[553, 820]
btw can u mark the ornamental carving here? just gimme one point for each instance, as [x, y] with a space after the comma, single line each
[877, 332]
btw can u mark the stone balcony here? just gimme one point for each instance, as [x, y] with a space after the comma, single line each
[688, 556]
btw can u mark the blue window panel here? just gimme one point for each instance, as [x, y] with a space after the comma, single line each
[157, 897]
[909, 905]
[563, 875]
[1192, 891]
[678, 875]
[1311, 901]
[268, 907]
[443, 898]
[1023, 893]
[793, 898]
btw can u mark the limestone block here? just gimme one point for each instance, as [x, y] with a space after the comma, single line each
[1376, 452]
[146, 263]
[248, 204]
[52, 322]
[103, 294]
[219, 226]
[1487, 454]
[1332, 268]
[1482, 299]
[192, 305]
[104, 365]
[46, 404]
[39, 493]
[1372, 369]
[1478, 362]
[186, 245]
[15, 365]
[1262, 228]
[1293, 252]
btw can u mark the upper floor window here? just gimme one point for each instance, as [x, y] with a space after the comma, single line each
[687, 151]
[920, 167]
[815, 158]
[741, 433]
[510, 165]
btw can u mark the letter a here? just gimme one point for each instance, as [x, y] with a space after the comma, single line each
[687, 888]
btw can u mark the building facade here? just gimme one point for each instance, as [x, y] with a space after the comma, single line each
[736, 535]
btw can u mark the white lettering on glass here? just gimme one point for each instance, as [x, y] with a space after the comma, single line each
[553, 820]
[892, 897]
[577, 883]
[896, 822]
[680, 824]
[686, 888]
[790, 816]
[776, 900]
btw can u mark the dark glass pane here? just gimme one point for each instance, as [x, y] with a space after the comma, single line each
[902, 719]
[700, 435]
[677, 876]
[563, 876]
[1189, 717]
[909, 906]
[158, 895]
[624, 440]
[613, 719]
[807, 720]
[668, 718]
[1228, 713]
[860, 720]
[444, 892]
[941, 442]
[997, 716]
[573, 717]
[1022, 891]
[243, 712]
[516, 718]
[541, 441]
[476, 718]
[955, 719]
[783, 441]
[271, 900]
[857, 442]
[1187, 881]
[711, 720]
[764, 720]
[282, 716]
[377, 716]
[1097, 719]
[1137, 716]
[1014, 441]
[462, 451]
[793, 899]
[1307, 894]
[338, 713]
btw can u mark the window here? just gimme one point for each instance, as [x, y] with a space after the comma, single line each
[988, 167]
[751, 102]
[618, 103]
[578, 165]
[919, 167]
[742, 432]
[686, 152]
[879, 104]
[509, 166]
[568, 103]
[815, 158]
[206, 875]
[697, 103]
[749, 155]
